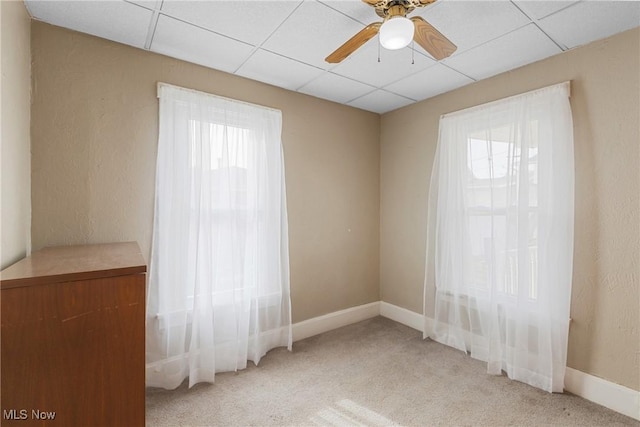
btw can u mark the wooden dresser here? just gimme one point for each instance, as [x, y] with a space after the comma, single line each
[72, 337]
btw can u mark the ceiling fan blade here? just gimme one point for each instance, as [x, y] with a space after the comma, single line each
[354, 43]
[431, 39]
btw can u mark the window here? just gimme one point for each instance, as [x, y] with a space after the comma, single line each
[501, 207]
[496, 164]
[219, 154]
[219, 272]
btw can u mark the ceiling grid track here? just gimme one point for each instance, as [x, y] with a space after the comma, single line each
[535, 22]
[259, 46]
[152, 27]
[285, 44]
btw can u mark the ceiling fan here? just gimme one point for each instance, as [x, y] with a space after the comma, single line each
[397, 31]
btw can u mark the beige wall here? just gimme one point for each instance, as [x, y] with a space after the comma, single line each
[94, 137]
[604, 337]
[15, 89]
[94, 134]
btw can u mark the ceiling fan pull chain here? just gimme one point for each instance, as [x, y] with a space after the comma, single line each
[378, 47]
[413, 53]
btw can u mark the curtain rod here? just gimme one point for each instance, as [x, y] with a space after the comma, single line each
[566, 85]
[162, 84]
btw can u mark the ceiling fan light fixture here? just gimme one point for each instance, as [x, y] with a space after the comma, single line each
[396, 33]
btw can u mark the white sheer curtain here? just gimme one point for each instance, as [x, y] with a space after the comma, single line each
[501, 216]
[219, 274]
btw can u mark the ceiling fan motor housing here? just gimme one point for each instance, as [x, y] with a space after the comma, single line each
[389, 8]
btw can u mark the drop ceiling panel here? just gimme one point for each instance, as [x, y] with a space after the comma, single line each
[311, 33]
[184, 41]
[149, 4]
[471, 23]
[336, 88]
[118, 21]
[541, 8]
[253, 21]
[356, 9]
[394, 65]
[520, 47]
[380, 101]
[430, 82]
[587, 21]
[284, 42]
[277, 70]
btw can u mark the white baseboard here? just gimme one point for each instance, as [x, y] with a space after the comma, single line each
[610, 395]
[337, 319]
[402, 315]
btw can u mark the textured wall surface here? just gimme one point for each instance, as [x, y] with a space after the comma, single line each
[604, 338]
[15, 204]
[95, 130]
[94, 136]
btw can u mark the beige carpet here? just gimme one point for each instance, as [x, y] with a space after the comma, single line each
[372, 373]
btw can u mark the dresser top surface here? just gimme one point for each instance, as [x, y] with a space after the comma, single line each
[70, 263]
